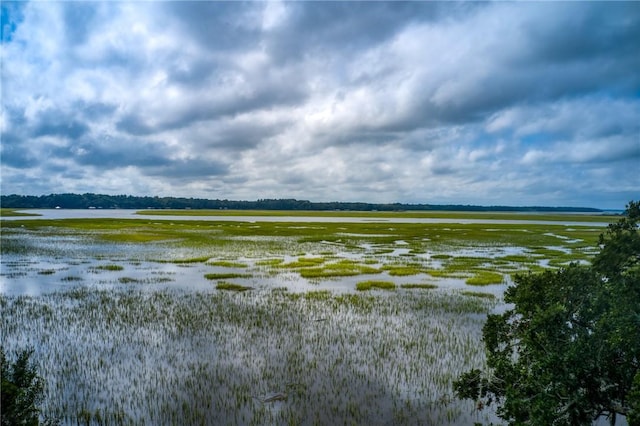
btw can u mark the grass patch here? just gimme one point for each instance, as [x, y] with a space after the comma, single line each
[110, 267]
[199, 259]
[368, 285]
[441, 256]
[128, 280]
[303, 262]
[516, 258]
[226, 276]
[269, 262]
[228, 264]
[12, 212]
[419, 286]
[443, 273]
[47, 272]
[402, 271]
[232, 287]
[315, 296]
[71, 278]
[318, 295]
[485, 278]
[478, 294]
[344, 268]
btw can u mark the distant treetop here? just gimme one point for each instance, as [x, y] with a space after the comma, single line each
[86, 201]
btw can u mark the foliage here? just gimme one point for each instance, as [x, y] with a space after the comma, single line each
[22, 390]
[569, 350]
[634, 402]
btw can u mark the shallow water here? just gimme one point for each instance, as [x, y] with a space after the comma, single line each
[128, 333]
[131, 214]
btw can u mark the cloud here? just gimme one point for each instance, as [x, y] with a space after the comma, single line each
[489, 103]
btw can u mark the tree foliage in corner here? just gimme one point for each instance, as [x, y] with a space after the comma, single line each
[22, 390]
[569, 350]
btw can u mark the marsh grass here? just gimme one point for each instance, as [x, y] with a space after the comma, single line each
[198, 259]
[302, 262]
[342, 268]
[419, 286]
[380, 214]
[485, 278]
[441, 256]
[269, 262]
[228, 264]
[444, 273]
[403, 270]
[71, 278]
[226, 275]
[134, 357]
[110, 267]
[162, 355]
[13, 212]
[224, 285]
[382, 285]
[478, 294]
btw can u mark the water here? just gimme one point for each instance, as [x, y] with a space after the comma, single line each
[132, 214]
[123, 333]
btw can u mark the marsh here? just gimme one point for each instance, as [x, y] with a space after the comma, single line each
[133, 320]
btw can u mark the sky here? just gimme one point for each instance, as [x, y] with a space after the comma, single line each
[488, 103]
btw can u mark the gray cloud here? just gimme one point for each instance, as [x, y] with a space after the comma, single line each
[53, 123]
[187, 169]
[489, 103]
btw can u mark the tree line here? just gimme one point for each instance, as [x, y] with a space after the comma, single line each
[102, 201]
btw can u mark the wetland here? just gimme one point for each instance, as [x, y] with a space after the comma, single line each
[189, 320]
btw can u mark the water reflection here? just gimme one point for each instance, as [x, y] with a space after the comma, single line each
[132, 214]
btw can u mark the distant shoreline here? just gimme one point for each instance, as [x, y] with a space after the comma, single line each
[101, 201]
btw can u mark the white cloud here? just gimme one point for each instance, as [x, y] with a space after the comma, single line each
[485, 103]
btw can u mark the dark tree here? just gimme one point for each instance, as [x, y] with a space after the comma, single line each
[22, 390]
[569, 350]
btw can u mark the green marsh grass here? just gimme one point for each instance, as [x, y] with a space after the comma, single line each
[485, 278]
[198, 259]
[269, 262]
[444, 273]
[5, 212]
[302, 262]
[228, 264]
[403, 270]
[226, 275]
[110, 267]
[223, 285]
[379, 214]
[71, 278]
[371, 284]
[130, 354]
[419, 286]
[133, 357]
[342, 268]
[478, 294]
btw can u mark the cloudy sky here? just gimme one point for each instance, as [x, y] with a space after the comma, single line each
[416, 102]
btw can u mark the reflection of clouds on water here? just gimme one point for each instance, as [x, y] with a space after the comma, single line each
[131, 214]
[139, 353]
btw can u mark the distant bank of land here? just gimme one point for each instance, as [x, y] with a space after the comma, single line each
[100, 201]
